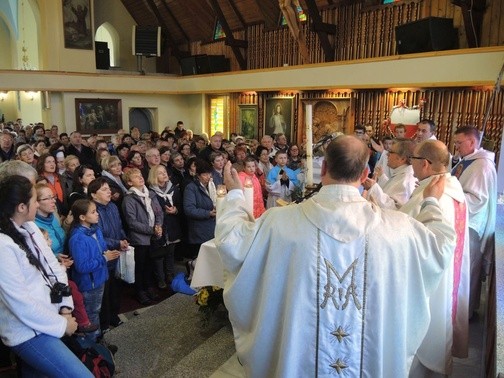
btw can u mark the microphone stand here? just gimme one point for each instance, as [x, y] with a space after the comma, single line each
[309, 194]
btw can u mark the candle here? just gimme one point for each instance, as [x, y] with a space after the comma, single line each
[309, 146]
[248, 191]
[219, 202]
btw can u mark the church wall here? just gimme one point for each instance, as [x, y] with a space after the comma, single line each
[6, 57]
[167, 109]
[55, 56]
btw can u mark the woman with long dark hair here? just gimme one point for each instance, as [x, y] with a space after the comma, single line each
[35, 306]
[82, 176]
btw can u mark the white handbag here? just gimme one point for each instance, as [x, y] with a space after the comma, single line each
[126, 265]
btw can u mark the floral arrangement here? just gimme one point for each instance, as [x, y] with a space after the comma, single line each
[208, 299]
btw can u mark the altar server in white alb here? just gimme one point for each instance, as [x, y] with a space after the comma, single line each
[334, 285]
[449, 304]
[477, 175]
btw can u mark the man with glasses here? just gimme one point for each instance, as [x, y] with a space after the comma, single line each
[477, 175]
[448, 329]
[393, 192]
[152, 158]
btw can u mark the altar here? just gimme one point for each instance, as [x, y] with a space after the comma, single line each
[209, 270]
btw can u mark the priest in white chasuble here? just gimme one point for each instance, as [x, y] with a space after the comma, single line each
[448, 333]
[334, 285]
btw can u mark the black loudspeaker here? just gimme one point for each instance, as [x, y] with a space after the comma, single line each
[188, 65]
[146, 40]
[428, 34]
[218, 63]
[204, 64]
[102, 55]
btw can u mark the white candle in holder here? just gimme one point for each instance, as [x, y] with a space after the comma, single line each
[221, 194]
[309, 146]
[248, 191]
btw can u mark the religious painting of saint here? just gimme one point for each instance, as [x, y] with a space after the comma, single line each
[248, 121]
[98, 116]
[77, 24]
[279, 116]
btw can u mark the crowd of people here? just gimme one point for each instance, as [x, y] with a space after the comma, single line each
[156, 193]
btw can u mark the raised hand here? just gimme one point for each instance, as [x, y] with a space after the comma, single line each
[231, 178]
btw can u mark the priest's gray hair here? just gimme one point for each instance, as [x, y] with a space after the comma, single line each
[17, 167]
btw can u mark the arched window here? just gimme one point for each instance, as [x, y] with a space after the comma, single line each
[107, 33]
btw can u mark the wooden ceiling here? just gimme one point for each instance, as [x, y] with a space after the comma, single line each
[186, 21]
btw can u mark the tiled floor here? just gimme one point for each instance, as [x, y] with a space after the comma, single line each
[473, 365]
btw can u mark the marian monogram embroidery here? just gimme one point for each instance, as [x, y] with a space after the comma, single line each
[336, 291]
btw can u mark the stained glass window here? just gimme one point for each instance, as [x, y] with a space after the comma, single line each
[218, 31]
[301, 16]
[216, 114]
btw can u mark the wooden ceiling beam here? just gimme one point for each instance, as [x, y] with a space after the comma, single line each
[270, 13]
[238, 14]
[175, 21]
[230, 40]
[170, 42]
[322, 29]
[472, 12]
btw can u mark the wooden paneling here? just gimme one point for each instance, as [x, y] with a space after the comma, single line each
[448, 108]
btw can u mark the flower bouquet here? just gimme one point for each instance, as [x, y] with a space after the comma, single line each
[209, 298]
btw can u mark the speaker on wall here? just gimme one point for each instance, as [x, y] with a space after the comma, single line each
[203, 64]
[102, 55]
[188, 65]
[428, 34]
[146, 40]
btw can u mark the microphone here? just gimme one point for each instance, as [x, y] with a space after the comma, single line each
[323, 140]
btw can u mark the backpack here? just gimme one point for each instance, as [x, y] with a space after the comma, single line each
[96, 357]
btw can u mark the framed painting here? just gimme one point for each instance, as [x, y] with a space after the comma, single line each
[100, 116]
[279, 116]
[248, 121]
[77, 24]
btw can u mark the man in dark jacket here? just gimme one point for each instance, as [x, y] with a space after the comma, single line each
[84, 153]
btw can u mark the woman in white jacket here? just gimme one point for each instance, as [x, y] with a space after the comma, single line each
[33, 313]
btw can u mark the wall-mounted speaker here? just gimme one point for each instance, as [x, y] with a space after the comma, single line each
[188, 65]
[146, 40]
[428, 34]
[102, 55]
[203, 64]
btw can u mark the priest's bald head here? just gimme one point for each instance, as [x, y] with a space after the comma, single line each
[345, 161]
[431, 157]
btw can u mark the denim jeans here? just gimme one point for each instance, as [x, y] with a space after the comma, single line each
[92, 302]
[45, 355]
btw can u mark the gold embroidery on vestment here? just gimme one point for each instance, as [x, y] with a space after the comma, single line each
[339, 365]
[340, 334]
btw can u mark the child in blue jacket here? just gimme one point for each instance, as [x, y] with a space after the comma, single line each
[89, 252]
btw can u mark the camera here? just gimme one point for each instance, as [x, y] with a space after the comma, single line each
[58, 291]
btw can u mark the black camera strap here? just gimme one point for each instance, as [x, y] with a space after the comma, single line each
[35, 260]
